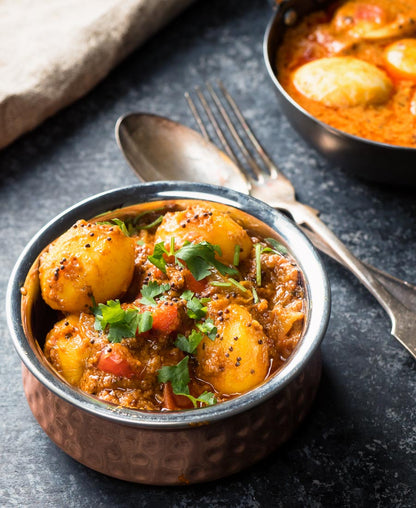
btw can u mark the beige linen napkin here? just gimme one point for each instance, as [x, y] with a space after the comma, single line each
[54, 51]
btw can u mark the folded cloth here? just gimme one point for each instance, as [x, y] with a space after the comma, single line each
[53, 52]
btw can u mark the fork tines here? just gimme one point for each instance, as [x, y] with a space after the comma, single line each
[220, 114]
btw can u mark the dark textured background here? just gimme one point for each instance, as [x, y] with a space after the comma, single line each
[358, 445]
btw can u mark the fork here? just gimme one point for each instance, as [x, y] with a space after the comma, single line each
[267, 183]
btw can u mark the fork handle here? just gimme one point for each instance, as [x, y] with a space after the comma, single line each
[307, 216]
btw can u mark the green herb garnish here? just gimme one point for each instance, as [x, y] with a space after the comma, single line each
[255, 295]
[258, 250]
[178, 376]
[208, 328]
[196, 308]
[152, 290]
[157, 257]
[120, 323]
[200, 258]
[236, 260]
[277, 247]
[189, 344]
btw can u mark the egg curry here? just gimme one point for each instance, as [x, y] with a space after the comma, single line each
[353, 66]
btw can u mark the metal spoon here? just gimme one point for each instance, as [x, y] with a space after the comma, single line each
[160, 149]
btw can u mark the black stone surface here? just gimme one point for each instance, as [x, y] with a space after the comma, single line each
[358, 446]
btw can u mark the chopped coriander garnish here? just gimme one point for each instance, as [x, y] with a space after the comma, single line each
[140, 242]
[121, 323]
[220, 284]
[237, 284]
[189, 344]
[200, 257]
[152, 290]
[196, 308]
[208, 328]
[236, 260]
[178, 375]
[207, 398]
[156, 222]
[157, 257]
[118, 222]
[277, 247]
[187, 294]
[258, 250]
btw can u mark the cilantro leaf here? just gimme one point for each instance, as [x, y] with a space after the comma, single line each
[157, 257]
[200, 257]
[152, 290]
[208, 328]
[196, 308]
[178, 375]
[121, 224]
[187, 294]
[120, 323]
[189, 344]
[207, 398]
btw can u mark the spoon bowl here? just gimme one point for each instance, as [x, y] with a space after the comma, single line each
[160, 149]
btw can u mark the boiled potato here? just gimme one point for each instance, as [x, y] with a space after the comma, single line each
[89, 260]
[198, 224]
[342, 81]
[238, 360]
[401, 59]
[67, 346]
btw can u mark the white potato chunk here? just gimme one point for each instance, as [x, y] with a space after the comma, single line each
[200, 224]
[238, 360]
[88, 260]
[342, 82]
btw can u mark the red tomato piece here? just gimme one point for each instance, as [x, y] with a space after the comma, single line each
[197, 286]
[113, 363]
[172, 401]
[165, 318]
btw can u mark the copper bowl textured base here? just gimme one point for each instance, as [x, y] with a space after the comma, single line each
[178, 456]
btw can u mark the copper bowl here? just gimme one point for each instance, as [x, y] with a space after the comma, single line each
[168, 448]
[370, 160]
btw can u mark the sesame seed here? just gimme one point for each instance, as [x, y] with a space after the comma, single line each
[260, 341]
[237, 364]
[87, 245]
[109, 239]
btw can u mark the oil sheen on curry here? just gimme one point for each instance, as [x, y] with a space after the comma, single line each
[170, 306]
[353, 66]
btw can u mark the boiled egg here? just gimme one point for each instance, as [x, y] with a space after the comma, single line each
[400, 57]
[342, 81]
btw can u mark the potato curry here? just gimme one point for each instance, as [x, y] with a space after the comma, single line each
[353, 66]
[174, 307]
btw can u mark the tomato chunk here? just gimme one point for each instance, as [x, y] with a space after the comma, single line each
[114, 363]
[197, 286]
[165, 318]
